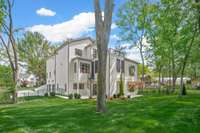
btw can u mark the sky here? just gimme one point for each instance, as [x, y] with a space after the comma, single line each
[58, 20]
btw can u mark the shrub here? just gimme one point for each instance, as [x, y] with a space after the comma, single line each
[114, 96]
[184, 90]
[52, 94]
[110, 98]
[129, 96]
[118, 95]
[46, 94]
[70, 96]
[122, 97]
[77, 96]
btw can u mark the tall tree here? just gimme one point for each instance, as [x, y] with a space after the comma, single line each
[1, 11]
[175, 25]
[103, 27]
[8, 42]
[34, 49]
[132, 20]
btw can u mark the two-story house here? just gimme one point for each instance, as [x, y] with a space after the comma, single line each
[73, 69]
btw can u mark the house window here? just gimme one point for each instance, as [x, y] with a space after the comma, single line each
[81, 86]
[94, 89]
[75, 67]
[131, 70]
[78, 52]
[118, 65]
[84, 68]
[94, 53]
[75, 86]
[49, 74]
[92, 70]
[122, 66]
[96, 66]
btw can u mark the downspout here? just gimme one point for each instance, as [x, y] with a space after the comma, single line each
[68, 68]
[55, 72]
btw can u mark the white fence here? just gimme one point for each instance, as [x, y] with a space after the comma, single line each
[40, 91]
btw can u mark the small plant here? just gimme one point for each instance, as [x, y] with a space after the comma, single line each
[184, 90]
[46, 94]
[129, 96]
[77, 96]
[52, 94]
[70, 96]
[114, 96]
[110, 98]
[118, 95]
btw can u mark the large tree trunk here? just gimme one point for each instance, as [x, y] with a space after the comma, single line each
[103, 26]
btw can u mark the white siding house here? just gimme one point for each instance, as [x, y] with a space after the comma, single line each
[73, 69]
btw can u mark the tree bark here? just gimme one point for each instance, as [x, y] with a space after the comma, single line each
[103, 27]
[184, 64]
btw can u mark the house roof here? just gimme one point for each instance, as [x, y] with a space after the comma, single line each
[80, 58]
[131, 60]
[69, 41]
[74, 40]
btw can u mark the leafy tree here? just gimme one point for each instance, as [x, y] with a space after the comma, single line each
[8, 44]
[1, 11]
[34, 50]
[175, 28]
[103, 27]
[132, 20]
[6, 80]
[6, 83]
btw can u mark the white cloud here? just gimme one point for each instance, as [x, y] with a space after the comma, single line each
[113, 26]
[45, 12]
[114, 37]
[79, 24]
[134, 53]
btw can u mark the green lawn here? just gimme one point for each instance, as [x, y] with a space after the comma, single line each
[148, 114]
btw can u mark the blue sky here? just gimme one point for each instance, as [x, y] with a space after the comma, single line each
[61, 19]
[25, 10]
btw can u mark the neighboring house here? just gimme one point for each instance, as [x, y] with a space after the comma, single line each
[73, 69]
[27, 80]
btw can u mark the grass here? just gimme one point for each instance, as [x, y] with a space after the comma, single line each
[148, 114]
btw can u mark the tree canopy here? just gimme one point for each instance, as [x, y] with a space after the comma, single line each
[34, 49]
